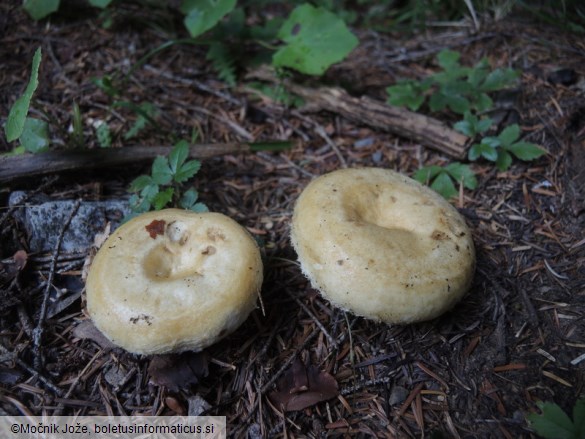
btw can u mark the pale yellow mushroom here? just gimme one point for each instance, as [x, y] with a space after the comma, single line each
[173, 280]
[382, 245]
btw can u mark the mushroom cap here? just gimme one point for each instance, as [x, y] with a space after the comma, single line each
[382, 245]
[173, 280]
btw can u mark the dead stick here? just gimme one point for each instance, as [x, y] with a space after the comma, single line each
[428, 131]
[52, 162]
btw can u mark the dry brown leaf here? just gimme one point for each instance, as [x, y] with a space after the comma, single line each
[301, 387]
[175, 371]
[87, 330]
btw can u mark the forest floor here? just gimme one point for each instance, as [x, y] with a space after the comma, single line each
[517, 337]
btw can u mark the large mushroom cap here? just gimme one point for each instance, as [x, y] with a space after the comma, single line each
[382, 245]
[173, 280]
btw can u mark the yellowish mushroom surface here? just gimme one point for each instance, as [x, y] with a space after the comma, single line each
[174, 280]
[382, 245]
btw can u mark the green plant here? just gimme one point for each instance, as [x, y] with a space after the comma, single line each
[442, 178]
[500, 149]
[33, 134]
[554, 423]
[163, 185]
[459, 88]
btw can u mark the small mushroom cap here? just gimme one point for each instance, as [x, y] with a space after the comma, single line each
[173, 280]
[382, 245]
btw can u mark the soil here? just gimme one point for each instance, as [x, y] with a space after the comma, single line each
[518, 336]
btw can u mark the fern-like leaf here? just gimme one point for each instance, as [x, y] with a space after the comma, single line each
[223, 62]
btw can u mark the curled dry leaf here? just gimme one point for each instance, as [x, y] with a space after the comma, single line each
[9, 268]
[175, 371]
[301, 387]
[87, 330]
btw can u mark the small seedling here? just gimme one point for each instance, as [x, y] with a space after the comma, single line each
[459, 88]
[32, 133]
[156, 191]
[554, 423]
[501, 148]
[443, 179]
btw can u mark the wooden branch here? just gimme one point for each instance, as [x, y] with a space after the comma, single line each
[51, 162]
[426, 130]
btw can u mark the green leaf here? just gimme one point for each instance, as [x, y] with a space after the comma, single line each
[509, 135]
[474, 152]
[188, 199]
[315, 39]
[461, 172]
[465, 127]
[478, 73]
[406, 94]
[161, 172]
[187, 171]
[526, 151]
[18, 112]
[504, 160]
[163, 198]
[39, 9]
[35, 135]
[178, 155]
[499, 79]
[554, 423]
[426, 174]
[579, 417]
[104, 136]
[102, 4]
[105, 84]
[138, 205]
[202, 15]
[483, 125]
[223, 61]
[444, 185]
[140, 183]
[199, 208]
[149, 191]
[456, 103]
[488, 150]
[146, 111]
[483, 103]
[448, 59]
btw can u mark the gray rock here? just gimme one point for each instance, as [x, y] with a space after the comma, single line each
[43, 220]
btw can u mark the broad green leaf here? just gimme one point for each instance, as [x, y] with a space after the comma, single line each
[223, 62]
[188, 199]
[202, 15]
[426, 174]
[461, 172]
[477, 74]
[178, 155]
[199, 208]
[187, 171]
[140, 183]
[474, 152]
[499, 79]
[483, 125]
[488, 151]
[448, 59]
[509, 135]
[465, 127]
[161, 172]
[437, 101]
[102, 4]
[104, 136]
[406, 94]
[579, 417]
[149, 192]
[35, 135]
[163, 198]
[457, 104]
[483, 103]
[137, 205]
[39, 9]
[554, 423]
[504, 160]
[315, 39]
[526, 151]
[18, 112]
[444, 185]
